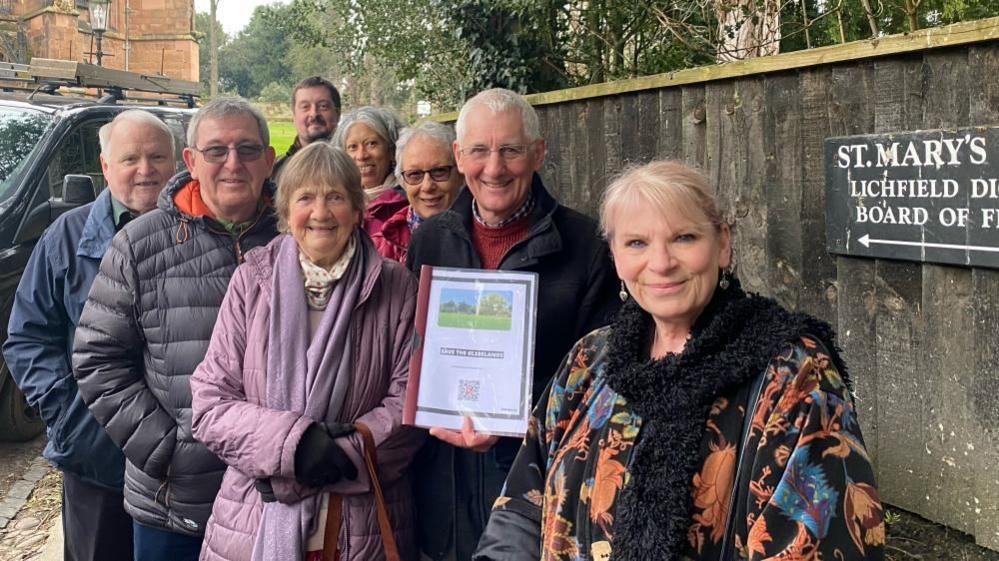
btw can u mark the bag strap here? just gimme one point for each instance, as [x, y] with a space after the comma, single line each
[331, 537]
[370, 458]
[743, 466]
[331, 541]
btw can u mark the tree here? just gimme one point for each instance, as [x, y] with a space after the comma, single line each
[747, 28]
[256, 56]
[381, 49]
[385, 51]
[213, 42]
[204, 23]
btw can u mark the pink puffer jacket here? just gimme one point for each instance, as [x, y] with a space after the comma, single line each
[228, 391]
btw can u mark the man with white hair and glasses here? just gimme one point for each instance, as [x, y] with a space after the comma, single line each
[137, 157]
[507, 220]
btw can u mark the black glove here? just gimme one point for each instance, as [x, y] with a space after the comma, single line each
[265, 489]
[319, 461]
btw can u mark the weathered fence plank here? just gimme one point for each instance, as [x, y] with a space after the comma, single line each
[669, 143]
[848, 87]
[744, 111]
[947, 357]
[898, 107]
[819, 292]
[695, 130]
[783, 187]
[983, 67]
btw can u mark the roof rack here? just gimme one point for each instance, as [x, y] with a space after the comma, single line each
[48, 75]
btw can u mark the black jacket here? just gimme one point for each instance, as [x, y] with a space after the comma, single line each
[577, 292]
[143, 330]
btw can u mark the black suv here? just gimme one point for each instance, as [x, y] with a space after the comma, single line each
[43, 139]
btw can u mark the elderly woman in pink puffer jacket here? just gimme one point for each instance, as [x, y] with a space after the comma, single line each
[313, 336]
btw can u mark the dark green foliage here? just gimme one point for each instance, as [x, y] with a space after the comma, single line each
[390, 52]
[255, 57]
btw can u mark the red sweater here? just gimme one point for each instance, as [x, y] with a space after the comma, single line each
[492, 243]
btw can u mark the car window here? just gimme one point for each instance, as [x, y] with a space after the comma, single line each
[78, 153]
[178, 125]
[20, 132]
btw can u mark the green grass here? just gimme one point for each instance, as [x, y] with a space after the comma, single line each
[472, 321]
[282, 135]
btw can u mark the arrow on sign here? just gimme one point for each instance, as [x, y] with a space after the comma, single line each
[867, 240]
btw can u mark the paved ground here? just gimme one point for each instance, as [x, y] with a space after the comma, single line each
[29, 504]
[14, 461]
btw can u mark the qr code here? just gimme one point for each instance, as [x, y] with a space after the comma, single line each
[468, 390]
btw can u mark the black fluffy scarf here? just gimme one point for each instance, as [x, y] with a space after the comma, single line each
[733, 340]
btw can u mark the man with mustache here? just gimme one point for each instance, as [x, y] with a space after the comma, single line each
[150, 315]
[315, 108]
[137, 157]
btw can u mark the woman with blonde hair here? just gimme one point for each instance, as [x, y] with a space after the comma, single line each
[705, 423]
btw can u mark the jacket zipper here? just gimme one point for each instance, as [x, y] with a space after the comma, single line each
[237, 246]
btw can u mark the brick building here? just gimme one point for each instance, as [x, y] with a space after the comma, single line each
[156, 37]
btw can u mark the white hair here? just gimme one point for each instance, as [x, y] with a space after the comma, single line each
[500, 100]
[432, 130]
[137, 116]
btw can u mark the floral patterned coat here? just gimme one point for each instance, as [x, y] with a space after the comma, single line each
[809, 493]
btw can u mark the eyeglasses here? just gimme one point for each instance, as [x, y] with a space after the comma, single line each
[415, 176]
[508, 152]
[219, 154]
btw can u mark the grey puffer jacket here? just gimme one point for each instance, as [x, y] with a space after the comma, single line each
[143, 331]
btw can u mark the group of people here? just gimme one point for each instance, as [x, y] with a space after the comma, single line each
[221, 356]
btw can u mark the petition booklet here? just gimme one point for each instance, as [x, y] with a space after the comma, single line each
[473, 352]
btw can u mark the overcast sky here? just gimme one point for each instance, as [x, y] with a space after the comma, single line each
[233, 14]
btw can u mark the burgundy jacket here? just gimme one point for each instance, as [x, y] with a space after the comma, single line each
[383, 208]
[392, 240]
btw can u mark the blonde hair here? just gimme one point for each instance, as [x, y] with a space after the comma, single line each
[322, 165]
[668, 186]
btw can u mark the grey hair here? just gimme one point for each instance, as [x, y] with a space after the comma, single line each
[319, 166]
[499, 100]
[137, 116]
[223, 107]
[432, 130]
[382, 120]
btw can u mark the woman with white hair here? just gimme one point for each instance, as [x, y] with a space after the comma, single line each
[426, 169]
[368, 135]
[705, 423]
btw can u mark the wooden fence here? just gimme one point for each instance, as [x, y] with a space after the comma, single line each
[922, 341]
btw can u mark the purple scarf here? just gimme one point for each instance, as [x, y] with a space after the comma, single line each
[305, 375]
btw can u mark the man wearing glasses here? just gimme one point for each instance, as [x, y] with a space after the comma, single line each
[150, 316]
[505, 219]
[137, 157]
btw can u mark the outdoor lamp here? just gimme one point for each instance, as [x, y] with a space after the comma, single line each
[99, 22]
